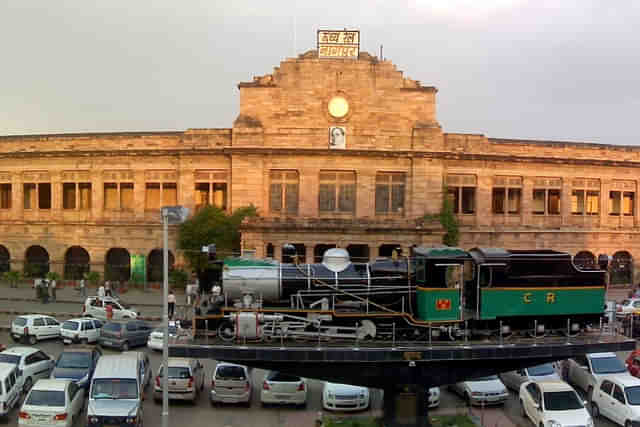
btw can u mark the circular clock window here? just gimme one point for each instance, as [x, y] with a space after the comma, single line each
[338, 107]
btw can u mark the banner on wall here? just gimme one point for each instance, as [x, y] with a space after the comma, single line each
[138, 269]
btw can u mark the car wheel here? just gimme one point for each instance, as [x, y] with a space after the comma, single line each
[27, 385]
[125, 346]
[33, 340]
[595, 411]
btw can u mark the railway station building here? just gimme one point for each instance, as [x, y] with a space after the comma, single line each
[332, 151]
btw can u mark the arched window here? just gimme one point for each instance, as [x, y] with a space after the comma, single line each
[36, 262]
[76, 263]
[621, 268]
[155, 265]
[117, 265]
[319, 250]
[5, 259]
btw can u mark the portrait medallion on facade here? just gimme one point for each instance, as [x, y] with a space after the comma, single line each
[337, 137]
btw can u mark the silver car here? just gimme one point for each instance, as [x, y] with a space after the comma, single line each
[231, 383]
[482, 391]
[514, 379]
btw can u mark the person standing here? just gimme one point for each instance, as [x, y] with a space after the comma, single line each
[45, 291]
[171, 300]
[107, 288]
[83, 288]
[101, 292]
[109, 310]
[36, 286]
[53, 290]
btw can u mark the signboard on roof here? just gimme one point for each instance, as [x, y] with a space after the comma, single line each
[338, 44]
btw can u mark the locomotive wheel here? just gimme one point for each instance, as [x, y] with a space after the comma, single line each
[226, 331]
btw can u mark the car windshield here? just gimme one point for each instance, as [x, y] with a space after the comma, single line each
[180, 372]
[540, 370]
[626, 302]
[69, 325]
[20, 321]
[562, 401]
[607, 365]
[9, 358]
[633, 395]
[74, 360]
[46, 398]
[111, 327]
[114, 389]
[230, 373]
[489, 378]
[279, 377]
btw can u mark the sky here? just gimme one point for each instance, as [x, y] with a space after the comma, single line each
[555, 70]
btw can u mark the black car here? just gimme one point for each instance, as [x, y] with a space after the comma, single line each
[124, 335]
[77, 364]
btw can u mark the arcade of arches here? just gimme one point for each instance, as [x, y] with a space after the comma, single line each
[77, 262]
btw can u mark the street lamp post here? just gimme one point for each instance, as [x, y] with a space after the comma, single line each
[173, 215]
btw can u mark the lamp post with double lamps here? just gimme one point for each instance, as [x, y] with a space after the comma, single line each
[170, 215]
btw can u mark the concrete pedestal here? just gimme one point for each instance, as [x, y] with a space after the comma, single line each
[405, 406]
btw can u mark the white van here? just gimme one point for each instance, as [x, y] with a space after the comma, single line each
[10, 387]
[115, 396]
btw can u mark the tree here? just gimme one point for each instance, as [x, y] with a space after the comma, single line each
[178, 278]
[52, 275]
[212, 225]
[448, 220]
[13, 277]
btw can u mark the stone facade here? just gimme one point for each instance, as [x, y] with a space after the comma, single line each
[396, 167]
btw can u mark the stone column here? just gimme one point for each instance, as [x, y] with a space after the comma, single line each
[565, 201]
[186, 189]
[483, 200]
[56, 195]
[139, 189]
[17, 197]
[527, 200]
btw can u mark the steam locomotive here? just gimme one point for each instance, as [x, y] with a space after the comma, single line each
[436, 293]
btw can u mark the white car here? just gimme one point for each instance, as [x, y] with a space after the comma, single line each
[553, 403]
[586, 371]
[343, 397]
[155, 340]
[482, 391]
[231, 383]
[280, 388]
[628, 306]
[97, 307]
[514, 379]
[32, 362]
[81, 330]
[618, 399]
[52, 403]
[433, 398]
[185, 379]
[34, 327]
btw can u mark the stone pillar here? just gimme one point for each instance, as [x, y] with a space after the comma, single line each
[56, 195]
[527, 200]
[565, 201]
[139, 189]
[186, 189]
[97, 194]
[483, 200]
[309, 253]
[17, 197]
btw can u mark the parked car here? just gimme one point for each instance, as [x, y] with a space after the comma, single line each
[81, 330]
[155, 340]
[96, 307]
[33, 364]
[124, 335]
[34, 327]
[77, 364]
[482, 391]
[514, 379]
[633, 363]
[279, 388]
[553, 403]
[185, 378]
[145, 366]
[11, 389]
[433, 399]
[344, 397]
[586, 371]
[628, 306]
[52, 403]
[618, 399]
[231, 383]
[114, 396]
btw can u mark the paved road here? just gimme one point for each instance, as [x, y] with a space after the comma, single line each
[202, 414]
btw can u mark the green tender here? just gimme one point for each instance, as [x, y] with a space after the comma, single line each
[248, 262]
[438, 304]
[504, 302]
